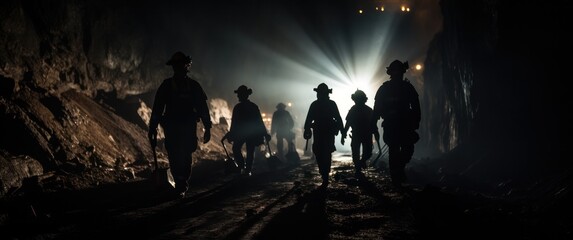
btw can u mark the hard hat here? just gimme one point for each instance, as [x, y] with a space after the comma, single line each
[281, 106]
[396, 65]
[244, 90]
[322, 88]
[359, 96]
[179, 57]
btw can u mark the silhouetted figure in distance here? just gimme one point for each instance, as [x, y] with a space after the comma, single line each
[397, 103]
[359, 118]
[324, 119]
[247, 127]
[281, 125]
[179, 104]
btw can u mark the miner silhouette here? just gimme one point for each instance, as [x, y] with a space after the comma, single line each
[397, 103]
[323, 122]
[359, 118]
[179, 104]
[247, 128]
[281, 125]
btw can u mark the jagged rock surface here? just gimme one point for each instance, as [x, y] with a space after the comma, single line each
[73, 135]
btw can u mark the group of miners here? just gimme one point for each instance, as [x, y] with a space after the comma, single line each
[180, 103]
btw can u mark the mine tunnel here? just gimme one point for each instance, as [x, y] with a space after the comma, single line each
[79, 80]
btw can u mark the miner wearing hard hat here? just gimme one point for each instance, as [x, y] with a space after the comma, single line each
[359, 119]
[397, 103]
[281, 125]
[247, 128]
[325, 121]
[179, 104]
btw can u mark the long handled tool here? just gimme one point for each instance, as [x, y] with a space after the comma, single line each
[161, 176]
[381, 151]
[155, 158]
[292, 155]
[230, 165]
[273, 161]
[373, 162]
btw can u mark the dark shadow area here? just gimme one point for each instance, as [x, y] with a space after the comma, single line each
[306, 219]
[441, 214]
[126, 107]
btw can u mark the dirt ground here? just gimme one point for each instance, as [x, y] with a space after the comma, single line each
[283, 204]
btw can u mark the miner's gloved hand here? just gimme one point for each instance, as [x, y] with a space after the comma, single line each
[267, 137]
[207, 135]
[152, 136]
[307, 134]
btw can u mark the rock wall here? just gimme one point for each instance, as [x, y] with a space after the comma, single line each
[68, 133]
[494, 102]
[85, 45]
[69, 140]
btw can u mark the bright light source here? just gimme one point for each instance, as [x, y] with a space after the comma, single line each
[289, 104]
[263, 114]
[418, 66]
[407, 9]
[360, 11]
[344, 67]
[376, 8]
[403, 8]
[382, 8]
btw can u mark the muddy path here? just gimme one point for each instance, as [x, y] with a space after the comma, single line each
[283, 204]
